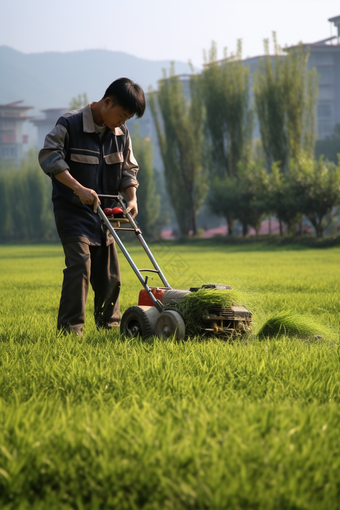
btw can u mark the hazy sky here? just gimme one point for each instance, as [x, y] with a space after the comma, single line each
[158, 29]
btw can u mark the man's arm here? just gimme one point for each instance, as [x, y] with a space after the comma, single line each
[87, 196]
[52, 161]
[131, 194]
[129, 183]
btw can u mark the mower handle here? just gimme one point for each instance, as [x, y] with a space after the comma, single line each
[140, 238]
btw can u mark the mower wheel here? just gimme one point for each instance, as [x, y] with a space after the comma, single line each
[170, 324]
[139, 321]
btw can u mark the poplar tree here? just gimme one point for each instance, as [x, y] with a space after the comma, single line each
[228, 123]
[229, 118]
[285, 97]
[180, 139]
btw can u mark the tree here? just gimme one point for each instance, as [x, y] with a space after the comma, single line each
[228, 124]
[282, 200]
[79, 101]
[148, 201]
[228, 114]
[252, 207]
[39, 215]
[317, 190]
[181, 140]
[5, 205]
[27, 213]
[223, 198]
[243, 197]
[285, 98]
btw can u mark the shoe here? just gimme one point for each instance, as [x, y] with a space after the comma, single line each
[69, 329]
[108, 325]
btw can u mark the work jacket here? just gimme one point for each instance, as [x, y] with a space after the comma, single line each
[105, 165]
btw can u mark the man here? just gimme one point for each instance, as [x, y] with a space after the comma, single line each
[89, 153]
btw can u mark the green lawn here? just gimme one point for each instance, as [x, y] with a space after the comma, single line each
[101, 422]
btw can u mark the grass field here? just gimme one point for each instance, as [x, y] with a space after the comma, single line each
[101, 422]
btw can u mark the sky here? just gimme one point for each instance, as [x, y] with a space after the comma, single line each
[162, 30]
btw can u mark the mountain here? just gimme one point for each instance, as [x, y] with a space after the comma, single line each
[51, 79]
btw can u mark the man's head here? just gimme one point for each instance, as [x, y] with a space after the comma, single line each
[128, 95]
[122, 100]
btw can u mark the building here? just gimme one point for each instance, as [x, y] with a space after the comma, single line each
[325, 58]
[46, 123]
[12, 140]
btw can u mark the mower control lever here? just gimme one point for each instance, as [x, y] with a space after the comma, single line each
[137, 272]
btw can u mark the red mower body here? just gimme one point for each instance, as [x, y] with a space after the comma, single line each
[145, 300]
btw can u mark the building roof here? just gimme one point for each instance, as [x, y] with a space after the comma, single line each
[51, 115]
[54, 109]
[181, 77]
[243, 60]
[15, 105]
[14, 111]
[335, 20]
[18, 117]
[42, 120]
[319, 44]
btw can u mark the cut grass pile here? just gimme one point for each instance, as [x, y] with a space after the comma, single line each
[197, 304]
[292, 324]
[103, 422]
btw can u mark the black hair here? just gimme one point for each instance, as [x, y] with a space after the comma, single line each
[128, 95]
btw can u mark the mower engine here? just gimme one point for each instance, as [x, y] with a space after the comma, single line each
[145, 320]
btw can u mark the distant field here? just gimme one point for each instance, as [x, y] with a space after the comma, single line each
[102, 422]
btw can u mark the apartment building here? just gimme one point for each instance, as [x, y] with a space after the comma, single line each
[12, 140]
[325, 58]
[46, 123]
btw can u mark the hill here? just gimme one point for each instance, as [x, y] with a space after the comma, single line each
[51, 79]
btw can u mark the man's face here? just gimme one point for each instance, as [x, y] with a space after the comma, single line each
[114, 116]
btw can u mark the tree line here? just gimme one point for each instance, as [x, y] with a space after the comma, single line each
[210, 155]
[27, 211]
[25, 197]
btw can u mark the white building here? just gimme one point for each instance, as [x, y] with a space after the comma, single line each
[325, 57]
[12, 140]
[46, 123]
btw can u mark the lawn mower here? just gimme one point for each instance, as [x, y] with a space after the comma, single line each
[159, 311]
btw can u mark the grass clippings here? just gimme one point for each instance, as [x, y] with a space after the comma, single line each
[290, 323]
[197, 304]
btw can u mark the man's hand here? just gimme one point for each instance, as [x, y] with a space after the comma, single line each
[87, 196]
[132, 207]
